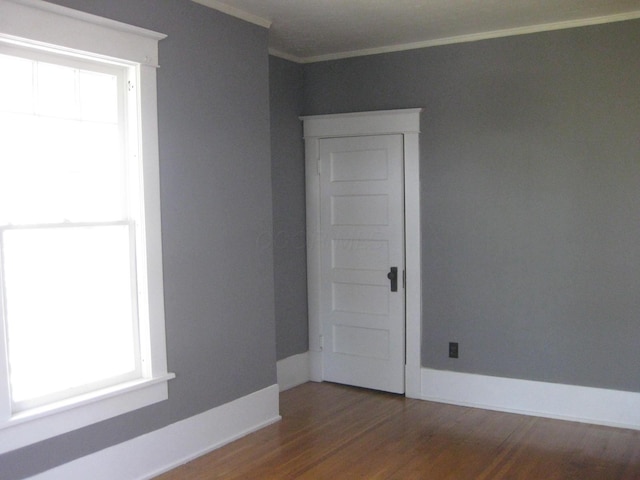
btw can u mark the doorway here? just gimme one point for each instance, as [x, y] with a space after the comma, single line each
[341, 288]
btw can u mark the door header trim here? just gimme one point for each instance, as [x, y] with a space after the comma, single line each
[382, 122]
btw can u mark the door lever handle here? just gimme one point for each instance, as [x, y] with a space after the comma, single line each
[393, 276]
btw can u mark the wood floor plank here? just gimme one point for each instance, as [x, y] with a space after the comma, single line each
[332, 431]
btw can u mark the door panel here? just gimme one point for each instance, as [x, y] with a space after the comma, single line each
[354, 210]
[361, 216]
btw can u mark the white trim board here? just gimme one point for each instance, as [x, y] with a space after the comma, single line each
[293, 371]
[154, 453]
[551, 400]
[285, 56]
[526, 397]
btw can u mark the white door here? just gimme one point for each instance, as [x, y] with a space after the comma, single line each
[362, 244]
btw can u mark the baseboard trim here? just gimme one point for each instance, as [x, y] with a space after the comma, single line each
[293, 371]
[150, 455]
[315, 366]
[565, 402]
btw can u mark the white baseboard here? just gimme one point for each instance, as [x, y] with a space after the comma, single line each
[412, 379]
[566, 402]
[154, 453]
[293, 371]
[315, 366]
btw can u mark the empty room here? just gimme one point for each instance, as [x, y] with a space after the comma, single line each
[310, 239]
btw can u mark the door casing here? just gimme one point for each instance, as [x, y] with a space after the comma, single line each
[407, 123]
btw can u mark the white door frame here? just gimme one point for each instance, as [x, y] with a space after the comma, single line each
[407, 123]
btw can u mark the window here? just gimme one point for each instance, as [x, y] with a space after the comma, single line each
[81, 304]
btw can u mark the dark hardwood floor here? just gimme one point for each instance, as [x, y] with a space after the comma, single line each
[331, 431]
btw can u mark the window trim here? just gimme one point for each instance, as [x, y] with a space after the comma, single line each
[48, 26]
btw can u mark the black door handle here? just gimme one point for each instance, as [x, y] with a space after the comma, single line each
[393, 276]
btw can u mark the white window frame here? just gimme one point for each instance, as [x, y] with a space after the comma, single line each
[47, 26]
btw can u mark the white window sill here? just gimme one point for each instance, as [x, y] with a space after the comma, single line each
[37, 424]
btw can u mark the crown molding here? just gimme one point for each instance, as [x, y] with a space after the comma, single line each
[286, 56]
[235, 12]
[474, 37]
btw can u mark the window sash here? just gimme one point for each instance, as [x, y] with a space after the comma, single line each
[127, 321]
[54, 157]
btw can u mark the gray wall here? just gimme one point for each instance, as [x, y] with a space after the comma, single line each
[289, 228]
[213, 100]
[530, 196]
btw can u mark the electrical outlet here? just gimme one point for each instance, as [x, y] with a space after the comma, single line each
[453, 349]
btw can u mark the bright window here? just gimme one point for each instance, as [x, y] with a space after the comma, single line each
[67, 232]
[81, 317]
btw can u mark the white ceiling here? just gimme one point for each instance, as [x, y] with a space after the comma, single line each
[313, 30]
